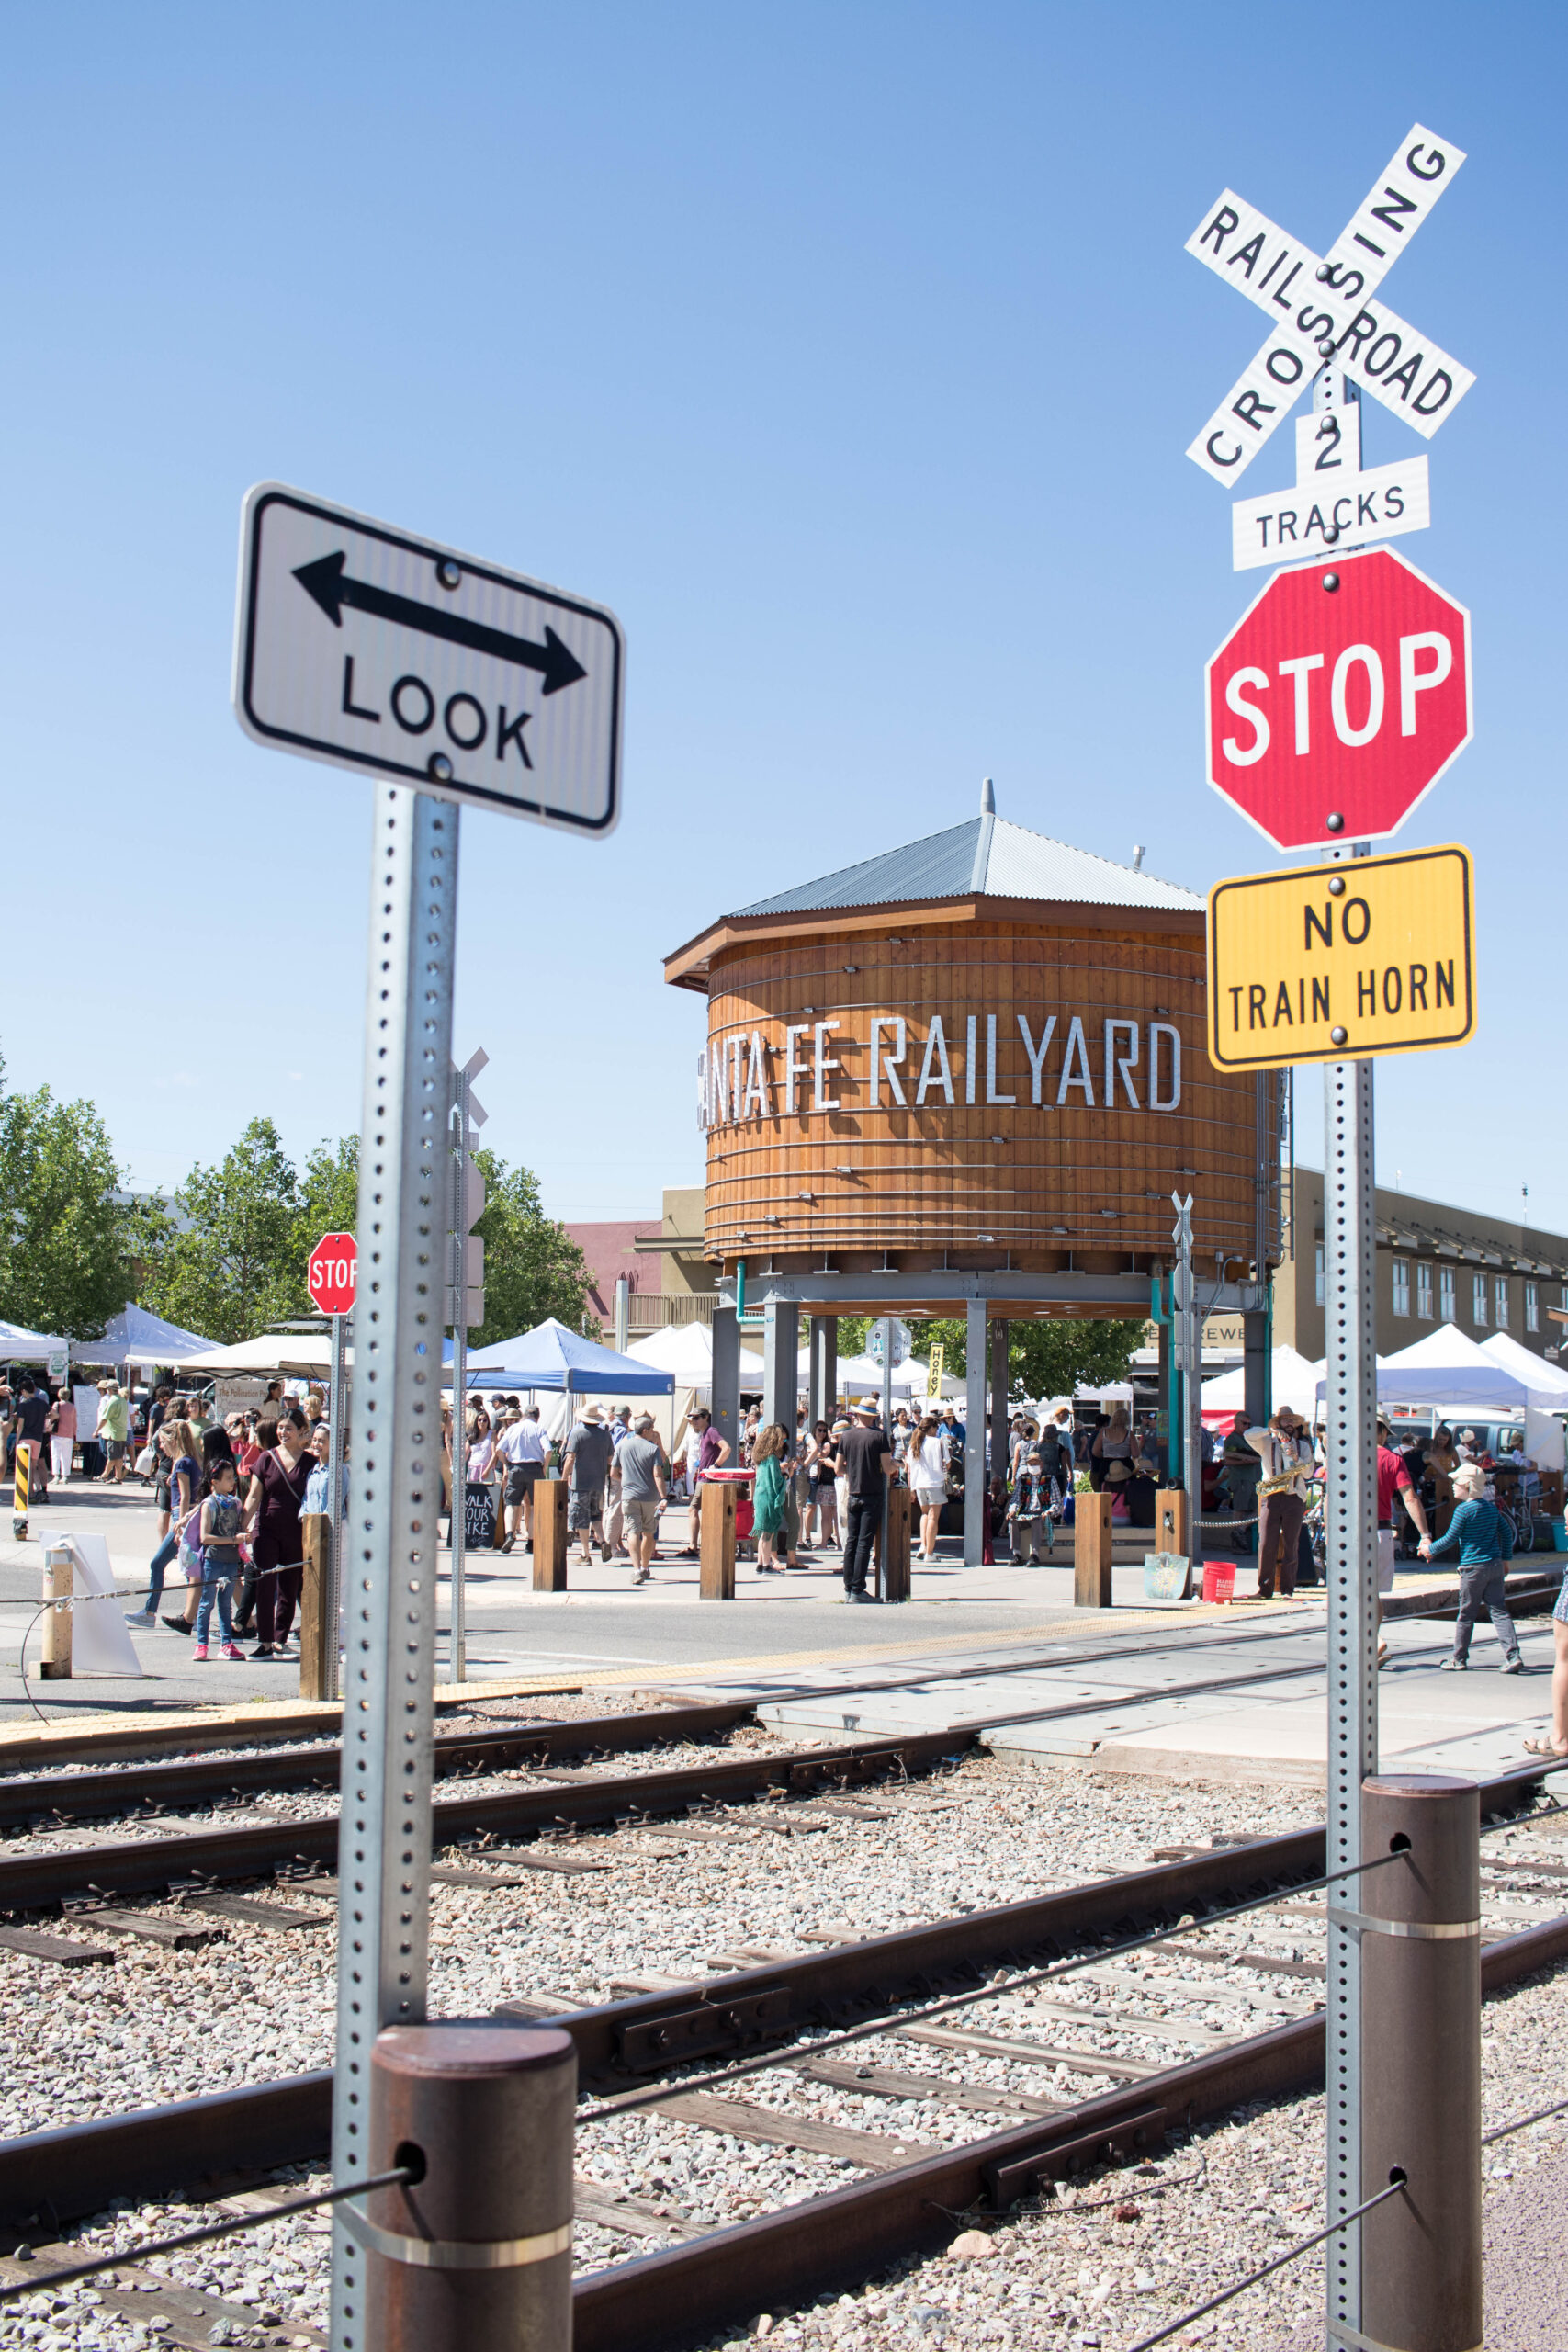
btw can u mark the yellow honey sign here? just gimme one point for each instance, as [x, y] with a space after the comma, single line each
[936, 1368]
[1341, 963]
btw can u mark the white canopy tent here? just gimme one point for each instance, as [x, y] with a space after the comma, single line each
[1544, 1380]
[1294, 1381]
[1545, 1439]
[19, 1345]
[298, 1354]
[135, 1337]
[686, 1350]
[1449, 1371]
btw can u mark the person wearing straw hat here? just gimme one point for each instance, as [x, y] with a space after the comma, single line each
[869, 1464]
[586, 1469]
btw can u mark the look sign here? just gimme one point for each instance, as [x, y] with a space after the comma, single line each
[1338, 700]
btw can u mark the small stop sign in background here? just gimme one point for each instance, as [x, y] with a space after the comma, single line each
[1344, 701]
[330, 1274]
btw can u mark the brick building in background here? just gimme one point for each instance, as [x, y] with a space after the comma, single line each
[661, 1261]
[1435, 1264]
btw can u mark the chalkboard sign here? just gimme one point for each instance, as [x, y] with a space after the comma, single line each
[478, 1516]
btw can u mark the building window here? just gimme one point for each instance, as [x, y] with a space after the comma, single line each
[1424, 1293]
[1320, 1281]
[1532, 1307]
[1478, 1300]
[1447, 1310]
[1402, 1285]
[1500, 1301]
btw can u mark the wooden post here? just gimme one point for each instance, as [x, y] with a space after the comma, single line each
[1171, 1520]
[896, 1569]
[550, 1535]
[318, 1637]
[716, 1574]
[1091, 1550]
[59, 1583]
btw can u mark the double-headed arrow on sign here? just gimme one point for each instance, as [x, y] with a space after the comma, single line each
[326, 582]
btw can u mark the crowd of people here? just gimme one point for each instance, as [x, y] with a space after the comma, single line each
[818, 1487]
[232, 1498]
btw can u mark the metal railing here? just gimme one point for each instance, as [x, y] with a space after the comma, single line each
[653, 1310]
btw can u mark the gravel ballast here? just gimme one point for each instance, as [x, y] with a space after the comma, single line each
[160, 2025]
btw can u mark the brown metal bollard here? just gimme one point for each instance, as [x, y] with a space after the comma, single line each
[1172, 1510]
[316, 1638]
[716, 1541]
[59, 1584]
[895, 1567]
[1091, 1550]
[550, 1535]
[476, 2256]
[1421, 2269]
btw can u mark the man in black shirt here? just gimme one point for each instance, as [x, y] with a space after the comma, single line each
[868, 1461]
[32, 1412]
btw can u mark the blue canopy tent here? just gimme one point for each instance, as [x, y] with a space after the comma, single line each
[554, 1359]
[135, 1337]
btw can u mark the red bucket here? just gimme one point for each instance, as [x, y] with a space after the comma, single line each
[1219, 1579]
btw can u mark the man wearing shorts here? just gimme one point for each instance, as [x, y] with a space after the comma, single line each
[640, 1458]
[585, 1470]
[113, 1429]
[525, 1447]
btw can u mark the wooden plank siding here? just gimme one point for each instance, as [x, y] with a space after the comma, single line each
[977, 1185]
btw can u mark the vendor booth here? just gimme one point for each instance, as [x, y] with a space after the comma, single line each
[135, 1338]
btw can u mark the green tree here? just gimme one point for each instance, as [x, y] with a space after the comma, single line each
[66, 1240]
[329, 1199]
[236, 1267]
[532, 1267]
[1048, 1357]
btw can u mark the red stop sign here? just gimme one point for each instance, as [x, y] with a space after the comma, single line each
[1338, 699]
[330, 1274]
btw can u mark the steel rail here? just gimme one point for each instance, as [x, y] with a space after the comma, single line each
[96, 1794]
[672, 2300]
[80, 2168]
[86, 1795]
[147, 1865]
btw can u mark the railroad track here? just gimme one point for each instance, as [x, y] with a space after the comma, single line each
[85, 1796]
[43, 1800]
[742, 2012]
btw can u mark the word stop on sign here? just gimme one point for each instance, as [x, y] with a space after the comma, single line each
[1338, 700]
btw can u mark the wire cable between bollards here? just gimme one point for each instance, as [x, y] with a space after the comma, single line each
[1268, 2268]
[129, 2254]
[900, 2020]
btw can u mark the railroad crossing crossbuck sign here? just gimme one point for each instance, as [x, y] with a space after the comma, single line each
[1338, 699]
[359, 645]
[1323, 310]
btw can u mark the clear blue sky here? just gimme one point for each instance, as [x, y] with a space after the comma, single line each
[849, 353]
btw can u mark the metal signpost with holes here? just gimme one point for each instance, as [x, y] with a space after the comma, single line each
[332, 1274]
[463, 1311]
[1336, 701]
[447, 681]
